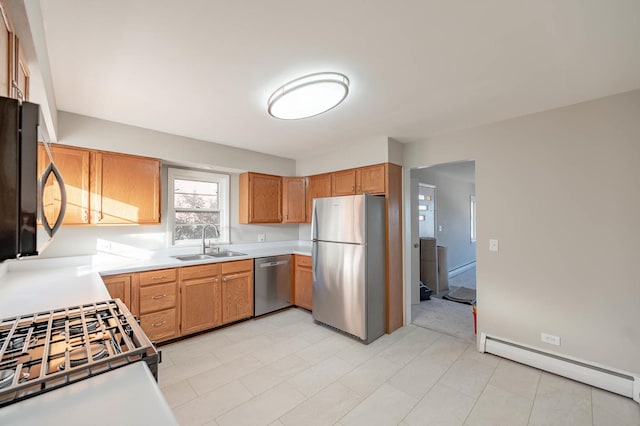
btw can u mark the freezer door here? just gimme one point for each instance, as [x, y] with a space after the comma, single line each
[339, 293]
[339, 219]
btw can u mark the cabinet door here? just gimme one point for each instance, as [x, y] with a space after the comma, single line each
[319, 187]
[73, 164]
[125, 189]
[198, 299]
[304, 290]
[371, 179]
[294, 199]
[237, 296]
[343, 183]
[5, 55]
[21, 74]
[119, 287]
[160, 326]
[260, 199]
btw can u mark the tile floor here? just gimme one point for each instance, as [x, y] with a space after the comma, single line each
[285, 370]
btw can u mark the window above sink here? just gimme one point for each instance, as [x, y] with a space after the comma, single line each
[196, 199]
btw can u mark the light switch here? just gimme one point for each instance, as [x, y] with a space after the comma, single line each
[439, 228]
[261, 238]
[493, 245]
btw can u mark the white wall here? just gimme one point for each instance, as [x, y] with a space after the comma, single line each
[453, 212]
[77, 130]
[559, 189]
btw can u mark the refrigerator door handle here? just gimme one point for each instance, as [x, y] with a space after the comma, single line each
[314, 259]
[314, 223]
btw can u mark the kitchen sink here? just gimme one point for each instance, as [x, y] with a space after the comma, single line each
[189, 257]
[226, 254]
[193, 257]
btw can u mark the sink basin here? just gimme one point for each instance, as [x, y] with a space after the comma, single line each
[193, 257]
[189, 257]
[227, 254]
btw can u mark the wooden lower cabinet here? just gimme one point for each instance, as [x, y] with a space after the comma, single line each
[119, 287]
[181, 301]
[303, 282]
[160, 326]
[158, 303]
[237, 290]
[200, 298]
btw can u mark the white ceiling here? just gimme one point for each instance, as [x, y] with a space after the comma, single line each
[205, 68]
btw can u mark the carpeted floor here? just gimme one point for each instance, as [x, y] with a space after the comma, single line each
[455, 319]
[445, 316]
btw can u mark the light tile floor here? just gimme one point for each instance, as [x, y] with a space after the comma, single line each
[285, 370]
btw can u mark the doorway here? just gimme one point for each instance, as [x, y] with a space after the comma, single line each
[444, 253]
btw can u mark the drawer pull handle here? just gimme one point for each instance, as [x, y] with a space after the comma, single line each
[158, 324]
[159, 296]
[161, 277]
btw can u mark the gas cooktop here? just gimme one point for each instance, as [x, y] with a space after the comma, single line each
[43, 351]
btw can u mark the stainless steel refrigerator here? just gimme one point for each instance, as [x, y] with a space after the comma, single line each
[349, 271]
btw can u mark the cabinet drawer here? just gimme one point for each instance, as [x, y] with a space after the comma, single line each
[201, 271]
[157, 277]
[304, 261]
[238, 266]
[159, 325]
[157, 297]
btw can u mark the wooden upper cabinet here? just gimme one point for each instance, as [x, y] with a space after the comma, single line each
[260, 199]
[371, 179]
[125, 189]
[294, 199]
[319, 186]
[73, 164]
[22, 78]
[14, 73]
[364, 180]
[343, 182]
[6, 57]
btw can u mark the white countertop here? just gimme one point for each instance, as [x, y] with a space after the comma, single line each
[125, 396]
[129, 394]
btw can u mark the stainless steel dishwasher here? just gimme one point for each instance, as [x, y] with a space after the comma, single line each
[271, 284]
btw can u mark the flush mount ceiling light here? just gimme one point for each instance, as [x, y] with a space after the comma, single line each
[307, 96]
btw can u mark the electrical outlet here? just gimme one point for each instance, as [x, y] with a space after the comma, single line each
[550, 339]
[262, 238]
[493, 245]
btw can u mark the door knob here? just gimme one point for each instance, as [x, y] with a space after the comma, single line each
[416, 245]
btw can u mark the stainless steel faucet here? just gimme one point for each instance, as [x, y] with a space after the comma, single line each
[216, 234]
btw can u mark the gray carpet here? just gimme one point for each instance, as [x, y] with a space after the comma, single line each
[462, 295]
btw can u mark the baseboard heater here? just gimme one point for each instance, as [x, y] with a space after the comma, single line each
[611, 380]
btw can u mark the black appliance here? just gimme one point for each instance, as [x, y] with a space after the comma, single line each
[19, 180]
[42, 351]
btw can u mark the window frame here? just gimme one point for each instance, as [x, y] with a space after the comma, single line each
[223, 203]
[474, 228]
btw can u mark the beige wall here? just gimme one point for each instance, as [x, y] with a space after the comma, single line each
[559, 190]
[373, 151]
[79, 130]
[93, 133]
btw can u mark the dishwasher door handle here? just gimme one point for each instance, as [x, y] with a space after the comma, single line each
[270, 264]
